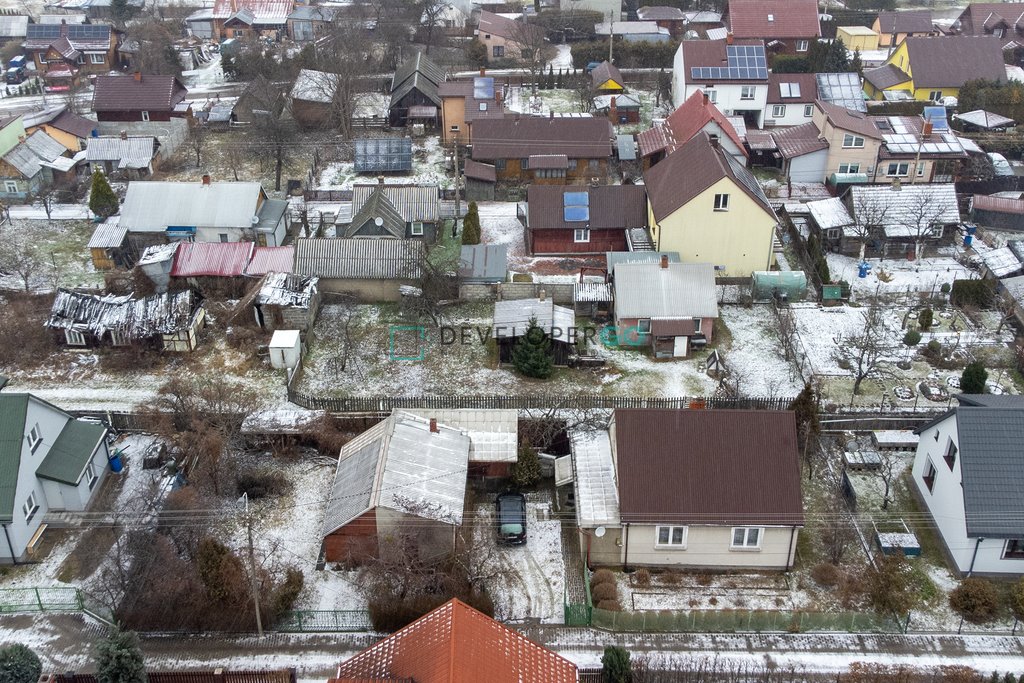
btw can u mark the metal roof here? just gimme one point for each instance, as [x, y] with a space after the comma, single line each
[71, 452]
[597, 494]
[480, 171]
[984, 119]
[842, 89]
[287, 289]
[270, 213]
[13, 412]
[829, 213]
[984, 202]
[413, 202]
[493, 434]
[151, 206]
[625, 146]
[23, 160]
[109, 234]
[135, 318]
[218, 259]
[909, 210]
[271, 260]
[374, 259]
[586, 292]
[613, 258]
[483, 263]
[383, 155]
[990, 441]
[377, 217]
[512, 318]
[1000, 262]
[129, 152]
[13, 26]
[681, 290]
[264, 11]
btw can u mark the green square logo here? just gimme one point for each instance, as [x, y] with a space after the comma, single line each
[407, 342]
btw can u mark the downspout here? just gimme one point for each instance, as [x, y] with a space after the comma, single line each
[970, 570]
[14, 558]
[791, 557]
[625, 546]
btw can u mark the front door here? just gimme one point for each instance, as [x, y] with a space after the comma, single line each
[679, 348]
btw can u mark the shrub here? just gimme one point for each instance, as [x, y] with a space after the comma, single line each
[826, 574]
[601, 576]
[976, 600]
[642, 577]
[19, 664]
[890, 585]
[615, 666]
[102, 200]
[672, 577]
[241, 337]
[912, 338]
[978, 293]
[261, 483]
[925, 318]
[1017, 599]
[973, 379]
[945, 288]
[285, 594]
[934, 347]
[526, 468]
[605, 591]
[471, 225]
[704, 579]
[609, 605]
[713, 601]
[119, 659]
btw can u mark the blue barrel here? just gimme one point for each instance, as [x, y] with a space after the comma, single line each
[115, 462]
[971, 228]
[968, 239]
[862, 269]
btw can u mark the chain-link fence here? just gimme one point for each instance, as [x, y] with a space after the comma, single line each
[740, 621]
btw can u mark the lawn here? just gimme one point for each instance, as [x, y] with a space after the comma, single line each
[60, 248]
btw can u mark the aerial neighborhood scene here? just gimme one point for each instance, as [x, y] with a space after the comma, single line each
[511, 341]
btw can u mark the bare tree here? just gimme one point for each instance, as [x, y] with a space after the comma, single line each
[197, 133]
[584, 92]
[343, 56]
[889, 470]
[274, 130]
[21, 256]
[869, 216]
[1006, 305]
[837, 532]
[431, 12]
[922, 215]
[154, 51]
[437, 287]
[46, 195]
[865, 353]
[529, 47]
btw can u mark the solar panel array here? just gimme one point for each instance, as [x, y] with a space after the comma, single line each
[483, 88]
[576, 207]
[383, 154]
[937, 115]
[75, 31]
[745, 62]
[842, 89]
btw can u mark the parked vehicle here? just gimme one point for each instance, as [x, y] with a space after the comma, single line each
[511, 508]
[19, 62]
[14, 76]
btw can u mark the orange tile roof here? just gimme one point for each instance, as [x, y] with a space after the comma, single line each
[457, 644]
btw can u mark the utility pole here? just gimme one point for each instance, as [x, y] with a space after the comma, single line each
[611, 35]
[254, 581]
[458, 201]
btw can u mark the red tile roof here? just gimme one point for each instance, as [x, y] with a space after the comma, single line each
[457, 644]
[683, 124]
[147, 93]
[773, 18]
[220, 259]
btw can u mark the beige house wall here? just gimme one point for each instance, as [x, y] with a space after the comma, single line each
[710, 547]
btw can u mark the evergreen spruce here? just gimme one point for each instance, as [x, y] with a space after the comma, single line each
[102, 200]
[471, 225]
[615, 666]
[119, 659]
[19, 664]
[532, 353]
[974, 378]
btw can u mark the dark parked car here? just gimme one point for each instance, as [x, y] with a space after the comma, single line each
[511, 509]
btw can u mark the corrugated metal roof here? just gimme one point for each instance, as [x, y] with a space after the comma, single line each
[109, 234]
[682, 290]
[413, 202]
[990, 441]
[271, 260]
[13, 411]
[134, 318]
[909, 210]
[596, 489]
[219, 259]
[625, 146]
[829, 213]
[483, 262]
[151, 206]
[512, 318]
[71, 452]
[287, 289]
[986, 202]
[131, 152]
[1001, 262]
[13, 26]
[589, 292]
[264, 11]
[613, 258]
[23, 160]
[493, 434]
[376, 218]
[374, 259]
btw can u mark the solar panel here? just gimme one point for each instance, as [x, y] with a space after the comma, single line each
[937, 115]
[576, 199]
[483, 88]
[576, 214]
[745, 62]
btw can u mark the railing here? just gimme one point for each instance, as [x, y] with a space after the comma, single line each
[741, 621]
[325, 621]
[13, 600]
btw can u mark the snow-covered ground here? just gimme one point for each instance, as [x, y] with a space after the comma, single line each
[562, 58]
[428, 168]
[820, 328]
[754, 352]
[207, 76]
[896, 276]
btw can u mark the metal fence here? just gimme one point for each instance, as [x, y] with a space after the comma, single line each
[740, 621]
[13, 600]
[325, 621]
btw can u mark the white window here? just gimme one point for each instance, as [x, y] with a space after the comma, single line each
[80, 60]
[97, 58]
[145, 116]
[712, 95]
[74, 338]
[1013, 549]
[849, 168]
[90, 475]
[833, 233]
[416, 229]
[1000, 32]
[808, 110]
[747, 92]
[935, 231]
[35, 437]
[850, 141]
[581, 235]
[455, 129]
[10, 186]
[721, 202]
[935, 95]
[483, 106]
[802, 45]
[778, 111]
[643, 326]
[920, 169]
[671, 537]
[746, 537]
[223, 237]
[30, 506]
[696, 325]
[897, 169]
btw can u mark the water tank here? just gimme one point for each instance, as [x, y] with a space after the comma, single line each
[786, 285]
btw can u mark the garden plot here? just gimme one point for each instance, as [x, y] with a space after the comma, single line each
[429, 167]
[820, 328]
[55, 254]
[755, 354]
[691, 590]
[895, 276]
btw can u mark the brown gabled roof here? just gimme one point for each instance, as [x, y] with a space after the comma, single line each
[807, 84]
[509, 29]
[886, 76]
[979, 15]
[479, 171]
[76, 125]
[853, 121]
[708, 467]
[691, 169]
[683, 124]
[611, 207]
[606, 71]
[951, 61]
[768, 19]
[149, 93]
[457, 644]
[799, 140]
[713, 53]
[518, 137]
[906, 21]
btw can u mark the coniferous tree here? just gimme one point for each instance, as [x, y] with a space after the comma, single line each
[972, 381]
[102, 200]
[532, 353]
[19, 664]
[471, 225]
[119, 659]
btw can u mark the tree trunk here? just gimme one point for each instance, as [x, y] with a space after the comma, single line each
[863, 248]
[278, 167]
[856, 385]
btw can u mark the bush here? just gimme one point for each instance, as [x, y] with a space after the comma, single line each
[602, 576]
[642, 577]
[790, 64]
[980, 293]
[610, 605]
[826, 574]
[973, 379]
[241, 337]
[19, 664]
[976, 600]
[890, 586]
[285, 594]
[261, 483]
[925, 318]
[526, 469]
[912, 338]
[934, 347]
[604, 591]
[1017, 599]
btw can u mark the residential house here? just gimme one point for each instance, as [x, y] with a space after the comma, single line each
[465, 102]
[306, 23]
[904, 218]
[121, 156]
[833, 226]
[157, 211]
[620, 109]
[108, 246]
[479, 179]
[966, 472]
[13, 27]
[931, 68]
[671, 18]
[512, 321]
[999, 19]
[708, 207]
[507, 39]
[414, 91]
[53, 463]
[998, 213]
[734, 76]
[786, 26]
[633, 31]
[200, 24]
[251, 18]
[450, 19]
[893, 27]
[857, 38]
[705, 24]
[312, 98]
[164, 321]
[853, 141]
[918, 150]
[791, 99]
[606, 78]
[70, 130]
[368, 269]
[562, 219]
[483, 263]
[670, 307]
[63, 53]
[552, 150]
[457, 644]
[139, 97]
[33, 164]
[394, 211]
[493, 436]
[402, 480]
[648, 492]
[286, 301]
[798, 151]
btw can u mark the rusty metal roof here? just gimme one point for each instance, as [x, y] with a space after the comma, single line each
[222, 259]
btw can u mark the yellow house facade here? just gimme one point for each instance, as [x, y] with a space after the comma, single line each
[933, 67]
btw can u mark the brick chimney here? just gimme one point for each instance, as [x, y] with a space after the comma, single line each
[926, 129]
[551, 114]
[138, 76]
[613, 110]
[713, 139]
[64, 27]
[706, 98]
[664, 261]
[206, 179]
[483, 71]
[380, 180]
[729, 38]
[433, 426]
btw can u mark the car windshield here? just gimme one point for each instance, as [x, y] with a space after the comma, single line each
[511, 529]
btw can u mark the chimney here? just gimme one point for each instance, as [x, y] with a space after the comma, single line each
[124, 135]
[926, 129]
[138, 76]
[206, 179]
[433, 426]
[664, 261]
[380, 180]
[483, 71]
[896, 187]
[498, 96]
[64, 27]
[613, 111]
[551, 114]
[728, 38]
[541, 295]
[713, 139]
[706, 98]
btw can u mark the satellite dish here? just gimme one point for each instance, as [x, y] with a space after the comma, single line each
[378, 221]
[254, 220]
[600, 531]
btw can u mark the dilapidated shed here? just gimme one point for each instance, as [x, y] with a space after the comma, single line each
[287, 302]
[512, 321]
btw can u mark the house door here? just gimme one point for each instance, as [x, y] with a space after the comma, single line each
[679, 348]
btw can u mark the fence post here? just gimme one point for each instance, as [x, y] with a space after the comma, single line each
[39, 600]
[79, 599]
[298, 619]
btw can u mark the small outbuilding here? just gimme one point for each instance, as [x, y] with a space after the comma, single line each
[287, 301]
[512, 320]
[285, 349]
[108, 245]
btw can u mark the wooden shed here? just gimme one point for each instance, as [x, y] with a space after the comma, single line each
[109, 246]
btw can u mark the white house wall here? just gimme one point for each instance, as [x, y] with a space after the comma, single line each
[794, 114]
[710, 547]
[945, 501]
[727, 95]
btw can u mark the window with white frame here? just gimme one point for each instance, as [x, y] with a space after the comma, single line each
[920, 169]
[643, 325]
[35, 437]
[851, 141]
[929, 476]
[29, 507]
[416, 229]
[778, 111]
[935, 95]
[849, 168]
[671, 537]
[80, 60]
[935, 231]
[696, 325]
[712, 95]
[802, 45]
[808, 111]
[74, 338]
[1013, 549]
[746, 537]
[97, 58]
[747, 92]
[896, 169]
[950, 456]
[581, 235]
[10, 186]
[145, 116]
[498, 51]
[833, 233]
[721, 202]
[91, 477]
